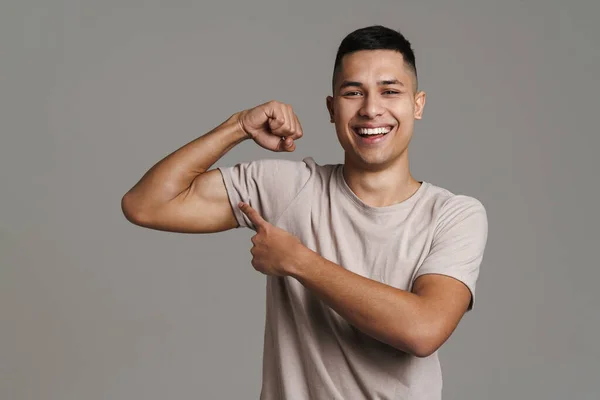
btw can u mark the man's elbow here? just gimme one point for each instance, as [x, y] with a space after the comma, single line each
[132, 211]
[422, 342]
[425, 348]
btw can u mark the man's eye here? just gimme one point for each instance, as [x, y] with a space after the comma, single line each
[391, 92]
[351, 93]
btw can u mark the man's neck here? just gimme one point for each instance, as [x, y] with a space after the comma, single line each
[381, 187]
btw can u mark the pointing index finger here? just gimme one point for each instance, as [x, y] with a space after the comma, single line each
[253, 215]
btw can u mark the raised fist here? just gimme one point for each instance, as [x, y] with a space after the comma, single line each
[272, 125]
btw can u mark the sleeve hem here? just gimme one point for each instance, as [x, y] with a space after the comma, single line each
[232, 195]
[458, 277]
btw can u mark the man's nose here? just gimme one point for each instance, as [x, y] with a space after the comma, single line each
[371, 107]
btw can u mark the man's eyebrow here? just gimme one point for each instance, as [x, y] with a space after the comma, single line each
[346, 84]
[390, 82]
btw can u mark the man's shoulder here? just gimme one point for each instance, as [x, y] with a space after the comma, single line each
[302, 170]
[448, 206]
[277, 175]
[270, 185]
[446, 198]
[305, 163]
[448, 202]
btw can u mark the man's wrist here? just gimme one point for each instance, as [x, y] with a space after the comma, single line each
[302, 261]
[237, 117]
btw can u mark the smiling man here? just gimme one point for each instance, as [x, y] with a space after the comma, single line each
[369, 270]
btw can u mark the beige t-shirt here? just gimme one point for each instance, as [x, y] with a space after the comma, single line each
[310, 352]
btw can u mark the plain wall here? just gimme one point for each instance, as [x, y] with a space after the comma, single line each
[93, 93]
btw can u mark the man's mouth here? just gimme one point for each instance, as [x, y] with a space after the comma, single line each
[372, 133]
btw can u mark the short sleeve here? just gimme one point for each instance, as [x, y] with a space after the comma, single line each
[268, 185]
[459, 242]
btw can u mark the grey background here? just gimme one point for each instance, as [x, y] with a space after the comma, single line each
[93, 93]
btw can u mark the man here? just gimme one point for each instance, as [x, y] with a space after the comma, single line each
[368, 270]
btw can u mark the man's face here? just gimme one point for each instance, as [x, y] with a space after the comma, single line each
[374, 106]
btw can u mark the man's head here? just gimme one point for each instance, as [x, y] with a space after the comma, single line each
[375, 37]
[375, 86]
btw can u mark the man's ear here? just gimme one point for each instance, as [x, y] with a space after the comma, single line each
[329, 102]
[419, 104]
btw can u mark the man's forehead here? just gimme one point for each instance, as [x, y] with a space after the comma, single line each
[367, 77]
[374, 67]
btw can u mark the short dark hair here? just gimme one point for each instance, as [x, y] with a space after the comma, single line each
[375, 37]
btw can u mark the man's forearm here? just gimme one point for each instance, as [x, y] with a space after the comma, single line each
[388, 314]
[175, 173]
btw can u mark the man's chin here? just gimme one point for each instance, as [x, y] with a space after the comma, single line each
[372, 161]
[364, 163]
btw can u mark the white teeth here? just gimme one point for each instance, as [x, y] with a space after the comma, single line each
[373, 131]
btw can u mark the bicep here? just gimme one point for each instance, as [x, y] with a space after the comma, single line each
[203, 207]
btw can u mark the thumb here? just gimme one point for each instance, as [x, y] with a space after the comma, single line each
[253, 215]
[286, 144]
